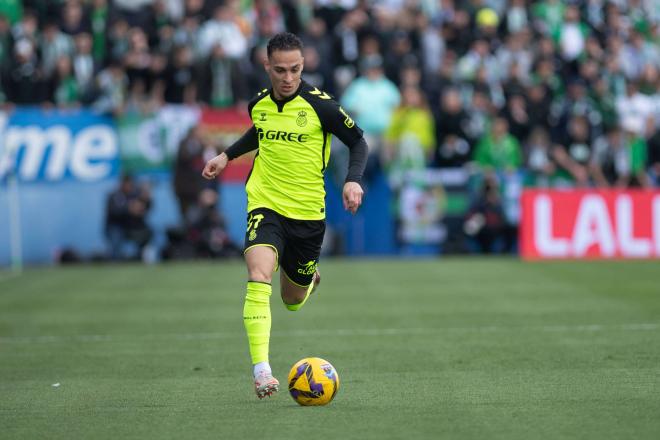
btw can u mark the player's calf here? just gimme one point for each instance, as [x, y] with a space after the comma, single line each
[295, 297]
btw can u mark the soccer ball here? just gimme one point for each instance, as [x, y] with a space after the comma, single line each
[313, 382]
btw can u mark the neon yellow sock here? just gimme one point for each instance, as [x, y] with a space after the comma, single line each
[296, 307]
[256, 318]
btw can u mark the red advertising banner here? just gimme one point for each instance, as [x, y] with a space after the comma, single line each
[590, 224]
[227, 125]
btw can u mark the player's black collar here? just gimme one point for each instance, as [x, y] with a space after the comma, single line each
[280, 103]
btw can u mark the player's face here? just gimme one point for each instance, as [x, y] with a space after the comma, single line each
[284, 68]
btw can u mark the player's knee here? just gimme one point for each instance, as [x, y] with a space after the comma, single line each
[260, 275]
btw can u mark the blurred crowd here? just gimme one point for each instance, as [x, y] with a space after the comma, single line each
[553, 93]
[567, 91]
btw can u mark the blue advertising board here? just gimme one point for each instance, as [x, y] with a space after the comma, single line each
[55, 145]
[64, 162]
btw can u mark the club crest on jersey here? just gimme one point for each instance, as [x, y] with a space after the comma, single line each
[262, 116]
[301, 120]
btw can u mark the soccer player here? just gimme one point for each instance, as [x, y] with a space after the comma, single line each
[293, 124]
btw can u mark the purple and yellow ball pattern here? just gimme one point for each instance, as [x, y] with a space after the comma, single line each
[313, 382]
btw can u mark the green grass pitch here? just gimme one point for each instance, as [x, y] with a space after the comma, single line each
[447, 348]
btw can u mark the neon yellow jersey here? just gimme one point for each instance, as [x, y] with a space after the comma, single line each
[294, 150]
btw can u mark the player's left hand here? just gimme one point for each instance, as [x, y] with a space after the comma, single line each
[352, 196]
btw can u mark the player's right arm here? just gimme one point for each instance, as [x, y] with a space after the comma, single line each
[248, 142]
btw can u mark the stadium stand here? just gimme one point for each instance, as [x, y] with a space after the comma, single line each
[531, 93]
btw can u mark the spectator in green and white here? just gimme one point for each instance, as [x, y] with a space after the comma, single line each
[84, 67]
[478, 114]
[515, 51]
[575, 102]
[637, 54]
[432, 46]
[99, 19]
[27, 28]
[571, 35]
[186, 33]
[111, 87]
[547, 66]
[118, 39]
[516, 17]
[65, 88]
[54, 44]
[612, 71]
[539, 163]
[498, 150]
[548, 16]
[619, 160]
[604, 101]
[499, 154]
[477, 57]
[634, 109]
[594, 14]
[223, 31]
[219, 80]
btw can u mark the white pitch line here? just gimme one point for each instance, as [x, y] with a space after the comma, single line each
[325, 332]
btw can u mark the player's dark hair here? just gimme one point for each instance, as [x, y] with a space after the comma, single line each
[284, 41]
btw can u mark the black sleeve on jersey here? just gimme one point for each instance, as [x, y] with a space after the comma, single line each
[357, 160]
[248, 142]
[336, 121]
